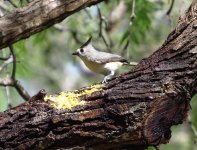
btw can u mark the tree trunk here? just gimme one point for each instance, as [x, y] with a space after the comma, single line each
[136, 109]
[37, 16]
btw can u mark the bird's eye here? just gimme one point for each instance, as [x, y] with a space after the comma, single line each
[81, 50]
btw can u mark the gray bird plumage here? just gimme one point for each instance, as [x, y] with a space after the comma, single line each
[100, 62]
[104, 57]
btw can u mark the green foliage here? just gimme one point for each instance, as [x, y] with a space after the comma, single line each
[141, 24]
[150, 148]
[21, 55]
[193, 110]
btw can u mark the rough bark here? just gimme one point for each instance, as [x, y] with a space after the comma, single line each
[37, 16]
[135, 110]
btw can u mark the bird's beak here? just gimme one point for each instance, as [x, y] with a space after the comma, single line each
[75, 53]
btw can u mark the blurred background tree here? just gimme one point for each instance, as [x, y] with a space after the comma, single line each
[131, 28]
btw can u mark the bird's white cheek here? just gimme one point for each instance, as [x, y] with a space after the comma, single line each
[78, 51]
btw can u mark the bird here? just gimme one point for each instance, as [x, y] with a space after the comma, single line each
[100, 62]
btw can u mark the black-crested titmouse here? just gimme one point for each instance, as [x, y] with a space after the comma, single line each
[100, 62]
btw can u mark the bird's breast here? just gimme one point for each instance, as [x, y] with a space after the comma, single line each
[95, 67]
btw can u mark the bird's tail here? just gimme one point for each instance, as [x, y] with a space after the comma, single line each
[130, 63]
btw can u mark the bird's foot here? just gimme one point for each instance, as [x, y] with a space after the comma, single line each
[105, 80]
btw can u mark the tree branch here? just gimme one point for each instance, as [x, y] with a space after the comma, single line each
[133, 110]
[170, 9]
[14, 62]
[15, 83]
[101, 20]
[6, 62]
[37, 16]
[20, 89]
[4, 58]
[12, 81]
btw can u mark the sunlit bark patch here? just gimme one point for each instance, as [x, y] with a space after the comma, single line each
[68, 100]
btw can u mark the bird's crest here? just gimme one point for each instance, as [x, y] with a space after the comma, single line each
[87, 42]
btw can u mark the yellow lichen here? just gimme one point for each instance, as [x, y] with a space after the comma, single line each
[71, 99]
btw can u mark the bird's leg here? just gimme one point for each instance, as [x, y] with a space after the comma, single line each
[108, 77]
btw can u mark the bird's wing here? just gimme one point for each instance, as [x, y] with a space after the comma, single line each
[104, 57]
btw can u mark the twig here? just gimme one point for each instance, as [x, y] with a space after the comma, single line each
[8, 97]
[20, 89]
[7, 88]
[6, 62]
[14, 62]
[104, 40]
[126, 45]
[170, 9]
[88, 13]
[4, 58]
[125, 48]
[12, 81]
[100, 21]
[21, 2]
[74, 34]
[101, 18]
[132, 16]
[15, 83]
